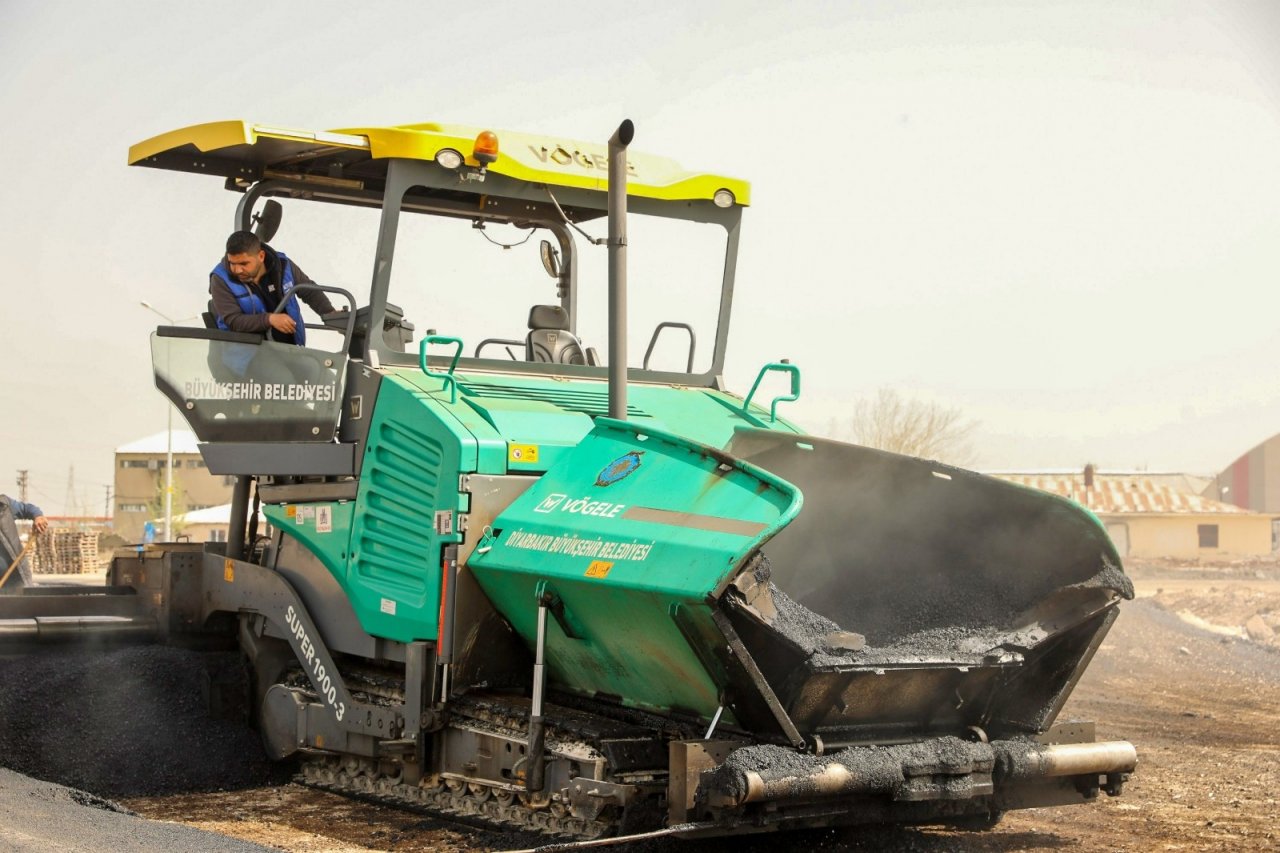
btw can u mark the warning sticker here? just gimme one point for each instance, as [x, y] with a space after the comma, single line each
[229, 571]
[444, 522]
[523, 453]
[290, 511]
[324, 519]
[388, 606]
[598, 568]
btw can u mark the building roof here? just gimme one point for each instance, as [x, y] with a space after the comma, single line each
[1195, 484]
[184, 441]
[1121, 494]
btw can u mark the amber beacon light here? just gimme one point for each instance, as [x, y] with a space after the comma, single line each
[486, 150]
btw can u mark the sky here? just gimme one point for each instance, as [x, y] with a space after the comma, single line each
[1058, 218]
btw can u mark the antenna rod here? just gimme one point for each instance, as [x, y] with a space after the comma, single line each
[618, 269]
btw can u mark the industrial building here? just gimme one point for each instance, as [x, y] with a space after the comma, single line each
[140, 481]
[1154, 515]
[1251, 482]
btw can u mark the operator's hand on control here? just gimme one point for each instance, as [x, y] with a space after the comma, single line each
[40, 524]
[282, 323]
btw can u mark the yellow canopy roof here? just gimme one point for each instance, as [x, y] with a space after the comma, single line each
[240, 149]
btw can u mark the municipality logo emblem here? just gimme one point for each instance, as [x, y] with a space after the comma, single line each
[550, 502]
[619, 468]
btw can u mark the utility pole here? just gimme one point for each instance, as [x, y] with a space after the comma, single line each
[168, 467]
[71, 491]
[23, 479]
[106, 506]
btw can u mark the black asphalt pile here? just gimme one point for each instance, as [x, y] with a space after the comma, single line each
[1110, 577]
[130, 722]
[812, 632]
[976, 622]
[797, 623]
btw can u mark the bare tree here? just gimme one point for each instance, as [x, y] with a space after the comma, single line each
[912, 427]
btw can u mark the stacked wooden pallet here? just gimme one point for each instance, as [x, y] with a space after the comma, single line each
[65, 552]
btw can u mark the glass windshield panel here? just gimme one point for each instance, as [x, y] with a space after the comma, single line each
[456, 279]
[448, 278]
[232, 391]
[674, 273]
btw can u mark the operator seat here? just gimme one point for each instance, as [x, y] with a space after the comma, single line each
[550, 340]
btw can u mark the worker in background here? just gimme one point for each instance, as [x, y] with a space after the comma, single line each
[11, 544]
[247, 286]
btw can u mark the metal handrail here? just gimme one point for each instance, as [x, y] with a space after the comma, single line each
[653, 341]
[351, 309]
[784, 367]
[508, 341]
[448, 378]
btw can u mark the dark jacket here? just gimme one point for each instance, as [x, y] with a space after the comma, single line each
[227, 308]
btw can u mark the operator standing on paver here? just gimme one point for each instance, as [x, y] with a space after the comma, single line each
[12, 509]
[247, 286]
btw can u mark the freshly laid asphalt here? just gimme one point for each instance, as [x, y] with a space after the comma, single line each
[122, 723]
[113, 723]
[41, 817]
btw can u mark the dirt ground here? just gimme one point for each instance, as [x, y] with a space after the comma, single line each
[1179, 676]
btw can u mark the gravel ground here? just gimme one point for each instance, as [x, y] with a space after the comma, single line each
[1202, 709]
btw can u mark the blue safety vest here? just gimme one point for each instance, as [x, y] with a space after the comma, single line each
[250, 303]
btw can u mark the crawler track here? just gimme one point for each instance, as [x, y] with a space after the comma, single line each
[478, 803]
[471, 803]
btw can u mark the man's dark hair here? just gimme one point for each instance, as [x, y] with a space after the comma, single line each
[243, 243]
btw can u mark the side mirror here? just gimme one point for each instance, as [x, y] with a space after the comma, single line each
[550, 258]
[267, 223]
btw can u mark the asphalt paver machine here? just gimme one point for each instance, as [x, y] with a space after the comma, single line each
[524, 569]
